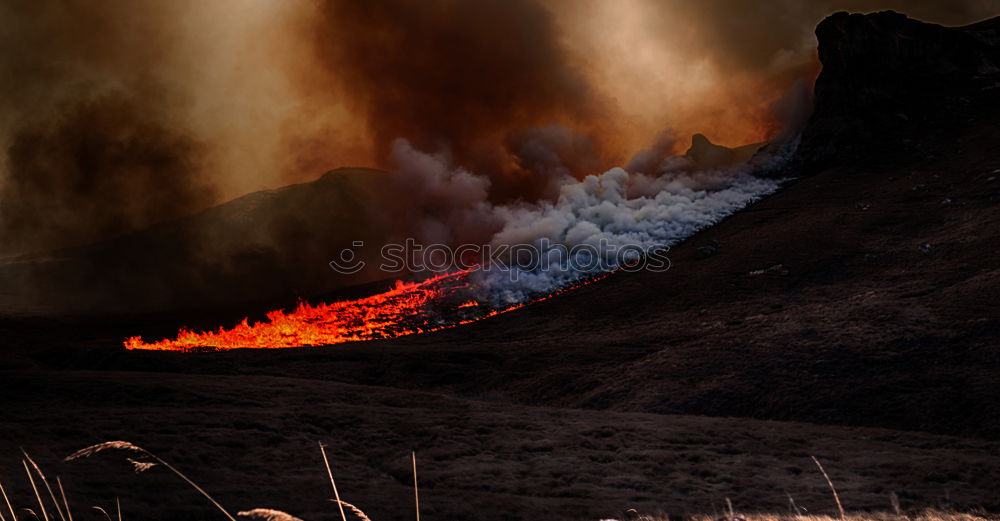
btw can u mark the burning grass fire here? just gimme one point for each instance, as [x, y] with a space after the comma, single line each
[406, 309]
[576, 239]
[595, 213]
[436, 303]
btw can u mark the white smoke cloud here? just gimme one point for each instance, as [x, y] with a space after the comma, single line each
[603, 214]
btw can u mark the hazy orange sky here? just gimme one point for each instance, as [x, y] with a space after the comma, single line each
[200, 102]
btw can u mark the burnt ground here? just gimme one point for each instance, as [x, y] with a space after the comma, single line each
[852, 316]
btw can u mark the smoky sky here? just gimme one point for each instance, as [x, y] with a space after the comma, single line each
[459, 76]
[90, 148]
[120, 114]
[100, 168]
[754, 34]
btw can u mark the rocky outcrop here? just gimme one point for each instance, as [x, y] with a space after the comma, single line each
[708, 156]
[887, 78]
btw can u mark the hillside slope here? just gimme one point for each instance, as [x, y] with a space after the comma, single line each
[865, 293]
[273, 244]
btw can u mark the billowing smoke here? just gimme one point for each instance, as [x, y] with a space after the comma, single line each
[117, 115]
[608, 221]
[599, 223]
[468, 78]
[547, 156]
[441, 204]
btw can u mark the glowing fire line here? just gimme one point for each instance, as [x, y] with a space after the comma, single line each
[404, 310]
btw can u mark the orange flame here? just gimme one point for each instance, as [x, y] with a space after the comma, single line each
[433, 304]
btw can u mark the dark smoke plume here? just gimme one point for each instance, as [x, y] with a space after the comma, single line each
[466, 77]
[99, 168]
[251, 95]
[120, 114]
[91, 147]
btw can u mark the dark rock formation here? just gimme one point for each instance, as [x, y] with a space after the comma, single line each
[707, 155]
[887, 79]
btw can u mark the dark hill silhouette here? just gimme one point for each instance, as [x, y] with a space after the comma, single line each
[707, 155]
[264, 247]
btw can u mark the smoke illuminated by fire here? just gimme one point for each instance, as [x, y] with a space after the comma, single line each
[127, 120]
[242, 95]
[597, 210]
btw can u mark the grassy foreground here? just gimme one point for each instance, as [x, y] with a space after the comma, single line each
[52, 502]
[925, 515]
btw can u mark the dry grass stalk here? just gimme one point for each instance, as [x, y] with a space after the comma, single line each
[118, 508]
[101, 510]
[357, 511]
[140, 466]
[46, 483]
[124, 445]
[34, 487]
[30, 511]
[836, 497]
[108, 445]
[894, 501]
[792, 507]
[65, 501]
[268, 514]
[416, 490]
[6, 500]
[329, 472]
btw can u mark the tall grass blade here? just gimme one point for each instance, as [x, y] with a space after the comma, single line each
[101, 510]
[34, 487]
[118, 507]
[124, 445]
[10, 507]
[193, 484]
[46, 483]
[416, 490]
[336, 495]
[836, 497]
[65, 501]
[792, 506]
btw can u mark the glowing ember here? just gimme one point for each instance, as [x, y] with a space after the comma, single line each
[431, 305]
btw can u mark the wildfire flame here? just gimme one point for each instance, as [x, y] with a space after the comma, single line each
[436, 303]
